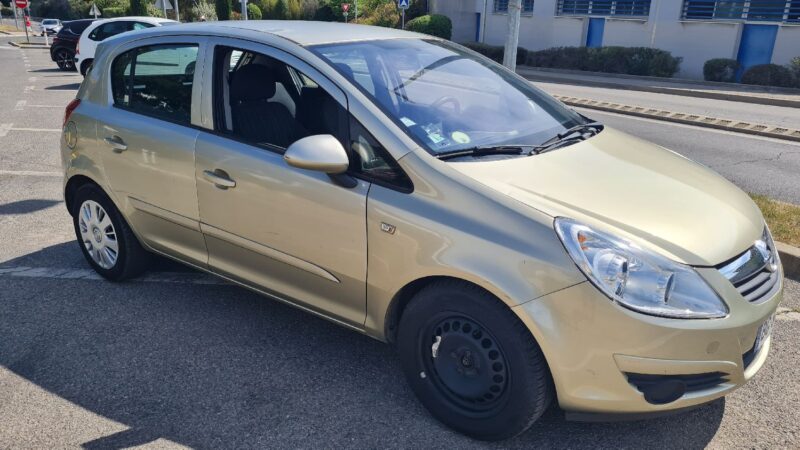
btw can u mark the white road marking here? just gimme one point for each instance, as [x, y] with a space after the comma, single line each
[4, 128]
[28, 89]
[61, 273]
[31, 173]
[25, 129]
[32, 79]
[20, 105]
[787, 314]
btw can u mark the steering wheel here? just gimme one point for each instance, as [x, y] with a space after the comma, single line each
[445, 100]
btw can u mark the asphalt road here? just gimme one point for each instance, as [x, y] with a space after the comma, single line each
[179, 359]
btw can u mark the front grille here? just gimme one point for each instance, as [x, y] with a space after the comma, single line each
[755, 272]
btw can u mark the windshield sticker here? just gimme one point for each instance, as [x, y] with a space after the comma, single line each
[407, 122]
[460, 137]
[435, 137]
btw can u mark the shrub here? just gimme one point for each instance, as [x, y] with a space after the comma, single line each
[433, 24]
[768, 75]
[113, 11]
[720, 69]
[628, 60]
[496, 52]
[325, 14]
[794, 66]
[253, 11]
[223, 8]
[204, 9]
[385, 15]
[137, 8]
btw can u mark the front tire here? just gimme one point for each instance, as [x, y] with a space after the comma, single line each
[106, 240]
[85, 64]
[472, 362]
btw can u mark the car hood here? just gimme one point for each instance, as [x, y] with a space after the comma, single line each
[635, 189]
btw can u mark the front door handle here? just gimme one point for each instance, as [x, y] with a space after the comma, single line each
[219, 178]
[116, 143]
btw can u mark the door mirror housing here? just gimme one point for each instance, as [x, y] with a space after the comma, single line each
[321, 153]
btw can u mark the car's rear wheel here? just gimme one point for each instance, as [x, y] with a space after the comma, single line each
[65, 59]
[472, 362]
[85, 65]
[106, 240]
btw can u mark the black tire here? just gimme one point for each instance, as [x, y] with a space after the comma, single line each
[489, 379]
[131, 259]
[85, 64]
[65, 59]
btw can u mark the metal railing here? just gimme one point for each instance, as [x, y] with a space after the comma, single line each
[749, 10]
[628, 8]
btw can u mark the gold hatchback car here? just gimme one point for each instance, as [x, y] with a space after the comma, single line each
[514, 251]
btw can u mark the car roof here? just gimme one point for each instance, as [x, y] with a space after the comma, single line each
[302, 32]
[136, 18]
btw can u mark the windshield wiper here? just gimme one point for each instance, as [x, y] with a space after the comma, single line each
[484, 150]
[564, 137]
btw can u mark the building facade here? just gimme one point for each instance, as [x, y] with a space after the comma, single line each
[750, 31]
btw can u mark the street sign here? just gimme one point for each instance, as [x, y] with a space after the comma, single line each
[345, 7]
[163, 4]
[94, 11]
[21, 4]
[403, 4]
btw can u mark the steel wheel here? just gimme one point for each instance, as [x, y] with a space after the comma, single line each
[65, 60]
[98, 234]
[466, 364]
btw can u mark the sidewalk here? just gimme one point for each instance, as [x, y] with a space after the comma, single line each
[690, 88]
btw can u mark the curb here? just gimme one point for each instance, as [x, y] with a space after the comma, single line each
[743, 98]
[790, 259]
[26, 45]
[687, 119]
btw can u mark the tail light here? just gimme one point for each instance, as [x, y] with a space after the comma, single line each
[70, 108]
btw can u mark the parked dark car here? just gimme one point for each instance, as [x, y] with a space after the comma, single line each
[62, 51]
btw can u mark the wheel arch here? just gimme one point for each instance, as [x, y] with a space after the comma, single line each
[73, 184]
[401, 299]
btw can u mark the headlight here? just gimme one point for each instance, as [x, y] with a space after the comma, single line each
[637, 278]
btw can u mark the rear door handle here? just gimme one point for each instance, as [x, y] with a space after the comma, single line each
[219, 178]
[116, 143]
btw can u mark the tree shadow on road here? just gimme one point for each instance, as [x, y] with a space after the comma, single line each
[219, 366]
[26, 206]
[63, 87]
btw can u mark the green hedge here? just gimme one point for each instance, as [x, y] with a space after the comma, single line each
[113, 11]
[433, 24]
[769, 75]
[720, 69]
[627, 60]
[496, 52]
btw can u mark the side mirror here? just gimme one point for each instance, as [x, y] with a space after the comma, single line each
[322, 153]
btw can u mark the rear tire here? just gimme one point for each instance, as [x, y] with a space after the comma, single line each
[85, 66]
[65, 59]
[488, 378]
[106, 240]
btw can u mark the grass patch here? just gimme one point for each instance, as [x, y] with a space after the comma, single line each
[9, 28]
[783, 219]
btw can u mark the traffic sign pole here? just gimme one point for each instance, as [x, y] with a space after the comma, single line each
[403, 5]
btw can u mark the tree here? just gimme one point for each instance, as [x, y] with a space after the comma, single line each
[137, 8]
[253, 11]
[223, 8]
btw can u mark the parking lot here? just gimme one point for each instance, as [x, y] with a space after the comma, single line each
[178, 358]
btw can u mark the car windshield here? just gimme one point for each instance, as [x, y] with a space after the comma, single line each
[447, 98]
[49, 22]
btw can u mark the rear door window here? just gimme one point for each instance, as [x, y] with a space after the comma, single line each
[156, 81]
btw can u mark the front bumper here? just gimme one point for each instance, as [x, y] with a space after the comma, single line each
[601, 354]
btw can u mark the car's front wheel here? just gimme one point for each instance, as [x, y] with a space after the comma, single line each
[472, 362]
[65, 59]
[106, 240]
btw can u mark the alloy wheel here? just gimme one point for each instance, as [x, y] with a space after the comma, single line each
[64, 59]
[98, 234]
